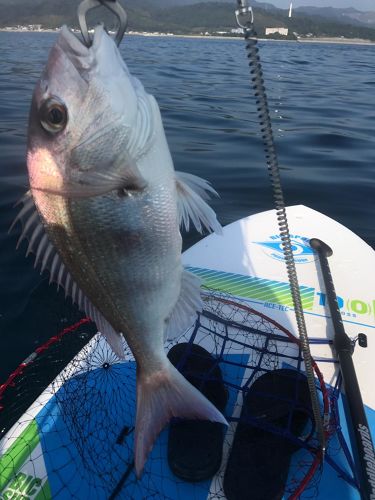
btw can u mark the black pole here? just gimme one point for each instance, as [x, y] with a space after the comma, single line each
[363, 447]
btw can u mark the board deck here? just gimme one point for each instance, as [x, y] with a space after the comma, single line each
[246, 262]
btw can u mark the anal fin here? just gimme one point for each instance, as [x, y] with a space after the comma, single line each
[188, 304]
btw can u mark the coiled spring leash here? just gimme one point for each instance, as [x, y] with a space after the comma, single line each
[245, 20]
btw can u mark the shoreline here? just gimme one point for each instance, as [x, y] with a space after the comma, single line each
[345, 41]
[335, 40]
[351, 41]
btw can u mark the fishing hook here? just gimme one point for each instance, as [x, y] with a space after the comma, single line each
[244, 14]
[113, 6]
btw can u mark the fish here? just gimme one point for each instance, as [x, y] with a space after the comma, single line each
[104, 215]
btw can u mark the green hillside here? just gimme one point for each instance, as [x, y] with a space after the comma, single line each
[147, 15]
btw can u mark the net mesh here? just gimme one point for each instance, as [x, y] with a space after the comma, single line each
[76, 440]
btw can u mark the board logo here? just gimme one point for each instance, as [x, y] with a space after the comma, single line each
[22, 487]
[302, 252]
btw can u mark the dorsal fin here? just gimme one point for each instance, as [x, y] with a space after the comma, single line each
[47, 255]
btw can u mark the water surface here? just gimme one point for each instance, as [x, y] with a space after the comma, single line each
[322, 104]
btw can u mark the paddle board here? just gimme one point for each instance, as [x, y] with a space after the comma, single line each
[76, 439]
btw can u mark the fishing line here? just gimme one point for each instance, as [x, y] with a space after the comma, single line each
[245, 20]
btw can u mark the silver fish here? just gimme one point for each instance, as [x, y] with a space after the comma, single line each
[103, 215]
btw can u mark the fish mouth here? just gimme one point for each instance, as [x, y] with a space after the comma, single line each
[72, 43]
[102, 55]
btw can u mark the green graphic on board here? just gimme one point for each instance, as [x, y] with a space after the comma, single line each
[263, 290]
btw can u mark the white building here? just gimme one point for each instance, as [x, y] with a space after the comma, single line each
[237, 31]
[281, 31]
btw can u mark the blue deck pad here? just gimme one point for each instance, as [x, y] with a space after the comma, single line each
[81, 425]
[79, 429]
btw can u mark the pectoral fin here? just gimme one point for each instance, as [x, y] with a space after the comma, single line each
[192, 192]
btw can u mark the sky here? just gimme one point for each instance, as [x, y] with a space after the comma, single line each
[358, 4]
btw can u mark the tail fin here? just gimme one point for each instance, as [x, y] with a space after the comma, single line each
[161, 396]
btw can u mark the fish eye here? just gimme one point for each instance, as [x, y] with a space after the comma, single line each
[53, 115]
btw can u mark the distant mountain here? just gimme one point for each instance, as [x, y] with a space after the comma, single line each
[186, 16]
[345, 16]
[349, 15]
[179, 3]
[54, 13]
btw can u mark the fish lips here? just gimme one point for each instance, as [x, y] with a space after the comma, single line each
[102, 55]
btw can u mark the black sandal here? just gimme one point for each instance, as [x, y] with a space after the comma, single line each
[195, 447]
[259, 459]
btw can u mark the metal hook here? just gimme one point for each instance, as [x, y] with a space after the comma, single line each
[245, 17]
[244, 14]
[113, 6]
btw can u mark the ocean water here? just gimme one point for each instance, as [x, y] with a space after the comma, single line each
[322, 102]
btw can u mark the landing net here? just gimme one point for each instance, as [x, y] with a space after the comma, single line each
[76, 440]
